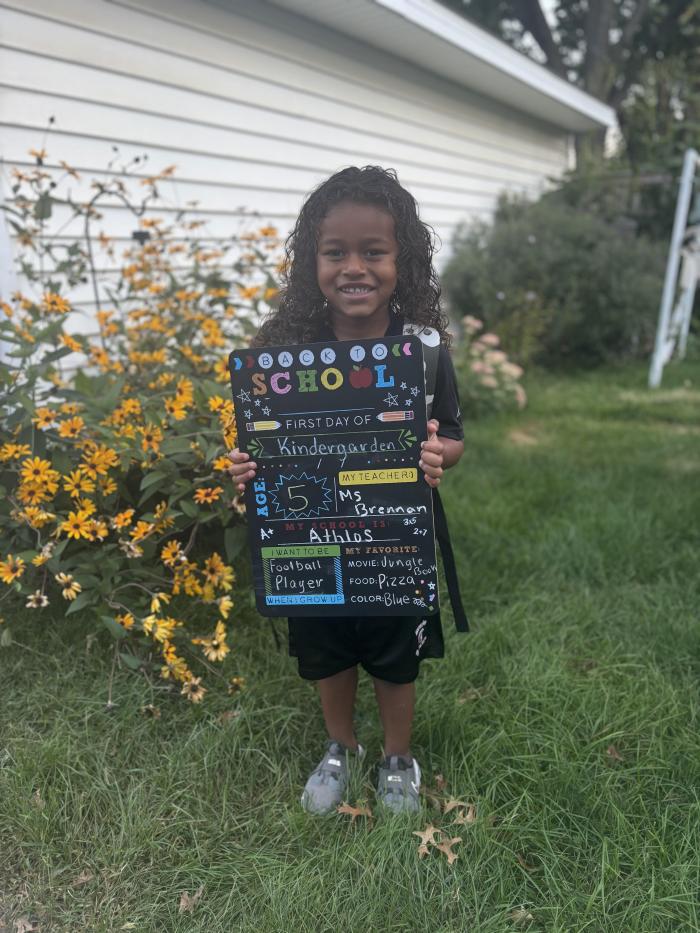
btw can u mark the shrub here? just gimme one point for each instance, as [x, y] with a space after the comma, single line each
[115, 495]
[488, 380]
[558, 285]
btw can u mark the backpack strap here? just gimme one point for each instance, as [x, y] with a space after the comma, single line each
[430, 339]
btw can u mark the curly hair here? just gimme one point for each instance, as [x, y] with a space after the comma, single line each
[303, 309]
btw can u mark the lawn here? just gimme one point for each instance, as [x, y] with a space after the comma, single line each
[568, 718]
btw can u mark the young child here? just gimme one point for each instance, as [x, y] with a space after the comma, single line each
[359, 266]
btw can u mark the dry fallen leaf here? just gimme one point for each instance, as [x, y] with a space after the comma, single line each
[465, 818]
[453, 804]
[228, 715]
[38, 800]
[471, 694]
[524, 864]
[25, 925]
[427, 835]
[423, 850]
[189, 901]
[613, 753]
[440, 783]
[82, 878]
[150, 710]
[354, 812]
[430, 796]
[520, 915]
[446, 847]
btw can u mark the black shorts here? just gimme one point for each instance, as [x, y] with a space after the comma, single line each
[389, 647]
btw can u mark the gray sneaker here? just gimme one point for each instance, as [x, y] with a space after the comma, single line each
[328, 782]
[399, 784]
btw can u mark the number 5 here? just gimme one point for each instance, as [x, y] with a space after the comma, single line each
[299, 508]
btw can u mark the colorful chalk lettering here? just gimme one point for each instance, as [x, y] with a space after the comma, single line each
[339, 515]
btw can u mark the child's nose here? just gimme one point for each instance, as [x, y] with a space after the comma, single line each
[355, 264]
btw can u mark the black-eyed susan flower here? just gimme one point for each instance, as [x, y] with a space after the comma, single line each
[11, 569]
[71, 427]
[235, 685]
[122, 519]
[77, 525]
[208, 494]
[69, 586]
[37, 600]
[225, 604]
[171, 554]
[193, 689]
[76, 483]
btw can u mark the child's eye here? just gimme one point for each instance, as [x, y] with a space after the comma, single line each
[376, 252]
[333, 253]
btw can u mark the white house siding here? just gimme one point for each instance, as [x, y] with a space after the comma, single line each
[255, 106]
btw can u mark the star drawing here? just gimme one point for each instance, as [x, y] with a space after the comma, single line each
[248, 413]
[258, 402]
[244, 396]
[408, 401]
[266, 410]
[403, 385]
[414, 391]
[391, 400]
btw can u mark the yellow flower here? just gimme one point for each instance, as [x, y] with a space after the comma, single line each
[71, 427]
[126, 620]
[45, 417]
[45, 554]
[208, 494]
[107, 486]
[225, 604]
[236, 684]
[54, 304]
[70, 408]
[123, 519]
[172, 554]
[68, 341]
[77, 525]
[160, 629]
[158, 599]
[36, 517]
[11, 569]
[76, 483]
[151, 437]
[222, 463]
[97, 460]
[37, 600]
[215, 403]
[70, 587]
[14, 451]
[36, 471]
[217, 573]
[175, 409]
[141, 530]
[193, 690]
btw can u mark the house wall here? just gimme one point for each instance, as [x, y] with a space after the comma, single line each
[255, 106]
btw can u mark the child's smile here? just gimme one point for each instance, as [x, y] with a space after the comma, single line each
[356, 267]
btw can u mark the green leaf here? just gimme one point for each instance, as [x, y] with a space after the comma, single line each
[43, 206]
[152, 478]
[81, 602]
[189, 508]
[115, 629]
[234, 540]
[130, 661]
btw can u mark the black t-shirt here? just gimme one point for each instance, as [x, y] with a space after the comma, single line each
[446, 401]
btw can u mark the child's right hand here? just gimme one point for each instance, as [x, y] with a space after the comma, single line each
[242, 468]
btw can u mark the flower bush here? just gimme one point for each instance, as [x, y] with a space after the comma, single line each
[488, 380]
[114, 495]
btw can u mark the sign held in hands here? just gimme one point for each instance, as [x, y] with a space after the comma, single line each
[339, 515]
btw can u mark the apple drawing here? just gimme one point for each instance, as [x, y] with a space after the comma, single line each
[360, 378]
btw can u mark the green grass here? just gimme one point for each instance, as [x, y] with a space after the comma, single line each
[576, 528]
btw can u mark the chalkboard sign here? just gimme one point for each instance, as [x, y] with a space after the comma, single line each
[339, 514]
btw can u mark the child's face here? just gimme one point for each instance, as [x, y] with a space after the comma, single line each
[356, 261]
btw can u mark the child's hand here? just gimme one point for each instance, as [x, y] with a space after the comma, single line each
[432, 455]
[242, 469]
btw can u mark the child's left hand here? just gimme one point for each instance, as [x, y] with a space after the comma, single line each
[432, 455]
